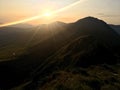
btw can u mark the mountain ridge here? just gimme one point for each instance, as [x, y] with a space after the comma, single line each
[83, 43]
[91, 49]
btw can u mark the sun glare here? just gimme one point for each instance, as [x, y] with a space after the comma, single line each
[47, 14]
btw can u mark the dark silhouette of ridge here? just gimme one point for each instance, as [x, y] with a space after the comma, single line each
[58, 22]
[88, 41]
[99, 29]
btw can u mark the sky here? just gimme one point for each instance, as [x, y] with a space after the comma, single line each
[15, 10]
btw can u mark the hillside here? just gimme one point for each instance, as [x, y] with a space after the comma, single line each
[90, 45]
[17, 40]
[72, 64]
[14, 41]
[62, 51]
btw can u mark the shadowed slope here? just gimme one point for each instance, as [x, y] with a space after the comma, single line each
[86, 42]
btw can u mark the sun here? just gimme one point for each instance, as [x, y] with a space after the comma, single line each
[47, 14]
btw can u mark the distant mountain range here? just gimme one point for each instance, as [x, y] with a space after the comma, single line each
[23, 26]
[116, 28]
[58, 47]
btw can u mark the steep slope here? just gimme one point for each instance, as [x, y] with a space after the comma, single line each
[88, 41]
[81, 52]
[72, 65]
[93, 42]
[99, 29]
[62, 33]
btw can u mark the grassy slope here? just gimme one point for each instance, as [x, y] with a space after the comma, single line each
[64, 62]
[63, 70]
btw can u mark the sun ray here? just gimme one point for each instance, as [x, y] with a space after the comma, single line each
[40, 16]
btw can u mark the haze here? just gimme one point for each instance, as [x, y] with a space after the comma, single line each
[13, 10]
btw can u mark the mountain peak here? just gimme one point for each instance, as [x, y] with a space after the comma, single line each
[58, 23]
[90, 19]
[97, 28]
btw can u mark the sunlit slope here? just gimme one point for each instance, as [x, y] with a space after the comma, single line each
[17, 40]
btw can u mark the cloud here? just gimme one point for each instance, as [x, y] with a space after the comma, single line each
[108, 15]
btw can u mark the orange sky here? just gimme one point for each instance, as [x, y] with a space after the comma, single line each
[14, 10]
